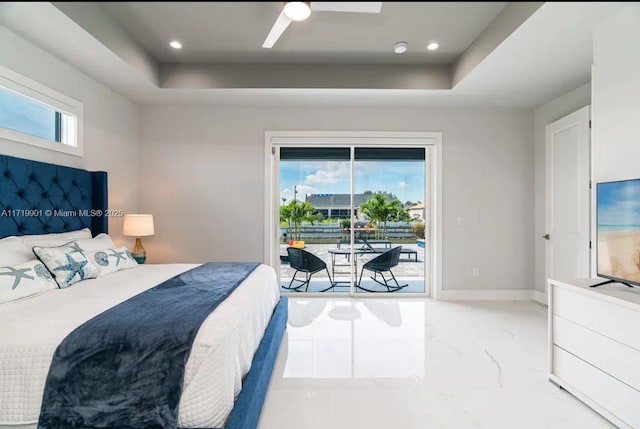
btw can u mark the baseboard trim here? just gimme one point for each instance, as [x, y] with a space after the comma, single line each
[487, 295]
[540, 297]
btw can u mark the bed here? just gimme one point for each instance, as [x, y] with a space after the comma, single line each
[228, 369]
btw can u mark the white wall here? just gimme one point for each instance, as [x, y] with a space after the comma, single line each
[616, 97]
[542, 116]
[110, 127]
[202, 175]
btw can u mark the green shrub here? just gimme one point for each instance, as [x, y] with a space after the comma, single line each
[418, 229]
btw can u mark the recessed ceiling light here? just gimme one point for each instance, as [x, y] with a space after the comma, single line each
[297, 10]
[433, 46]
[400, 47]
[175, 44]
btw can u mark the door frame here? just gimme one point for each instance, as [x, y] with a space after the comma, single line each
[567, 121]
[430, 140]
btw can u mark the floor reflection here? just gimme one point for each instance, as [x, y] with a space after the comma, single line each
[303, 312]
[337, 339]
[374, 363]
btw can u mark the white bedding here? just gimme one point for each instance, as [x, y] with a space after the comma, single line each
[32, 328]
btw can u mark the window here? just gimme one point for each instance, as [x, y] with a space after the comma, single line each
[33, 114]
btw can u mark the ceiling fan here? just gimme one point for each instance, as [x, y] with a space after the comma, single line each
[299, 11]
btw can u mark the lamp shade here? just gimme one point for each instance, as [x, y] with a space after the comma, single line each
[138, 225]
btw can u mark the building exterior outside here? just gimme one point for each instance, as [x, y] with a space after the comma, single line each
[336, 206]
[417, 211]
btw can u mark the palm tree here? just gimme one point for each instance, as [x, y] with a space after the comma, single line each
[375, 208]
[297, 212]
[380, 211]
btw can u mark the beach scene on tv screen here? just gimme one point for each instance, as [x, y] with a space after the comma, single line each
[619, 230]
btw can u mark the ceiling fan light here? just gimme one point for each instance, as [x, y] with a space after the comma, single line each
[297, 10]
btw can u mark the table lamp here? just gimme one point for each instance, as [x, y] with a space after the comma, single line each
[138, 225]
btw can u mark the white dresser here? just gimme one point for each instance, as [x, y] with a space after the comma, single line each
[594, 350]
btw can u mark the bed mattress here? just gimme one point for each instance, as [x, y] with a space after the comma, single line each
[32, 328]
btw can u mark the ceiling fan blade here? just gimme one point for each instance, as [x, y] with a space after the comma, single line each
[337, 6]
[278, 28]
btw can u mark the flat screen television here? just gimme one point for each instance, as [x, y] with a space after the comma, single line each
[618, 231]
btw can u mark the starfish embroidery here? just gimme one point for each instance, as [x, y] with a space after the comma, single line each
[75, 247]
[74, 267]
[18, 275]
[118, 255]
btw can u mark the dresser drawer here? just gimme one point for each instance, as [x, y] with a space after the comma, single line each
[611, 357]
[613, 321]
[614, 396]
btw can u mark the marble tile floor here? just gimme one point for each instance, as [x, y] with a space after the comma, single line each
[416, 364]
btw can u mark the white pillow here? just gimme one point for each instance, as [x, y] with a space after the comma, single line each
[45, 239]
[111, 260]
[13, 251]
[100, 241]
[22, 280]
[67, 263]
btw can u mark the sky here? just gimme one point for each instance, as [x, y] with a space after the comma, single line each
[405, 179]
[619, 203]
[21, 114]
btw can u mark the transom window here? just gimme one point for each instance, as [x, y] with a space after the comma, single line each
[33, 114]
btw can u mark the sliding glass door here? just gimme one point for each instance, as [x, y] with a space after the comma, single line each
[353, 219]
[389, 185]
[315, 209]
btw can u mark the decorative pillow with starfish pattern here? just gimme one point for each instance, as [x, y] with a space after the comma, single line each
[111, 260]
[22, 280]
[67, 263]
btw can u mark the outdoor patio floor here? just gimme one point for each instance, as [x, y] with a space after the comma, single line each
[407, 271]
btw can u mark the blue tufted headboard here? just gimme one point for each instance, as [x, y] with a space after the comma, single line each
[41, 198]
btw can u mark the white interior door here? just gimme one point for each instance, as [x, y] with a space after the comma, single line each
[567, 251]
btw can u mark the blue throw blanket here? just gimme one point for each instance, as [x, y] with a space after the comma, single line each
[125, 367]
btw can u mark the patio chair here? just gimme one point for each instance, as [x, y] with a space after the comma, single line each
[307, 263]
[382, 264]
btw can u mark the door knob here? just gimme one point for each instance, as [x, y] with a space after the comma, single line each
[546, 237]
